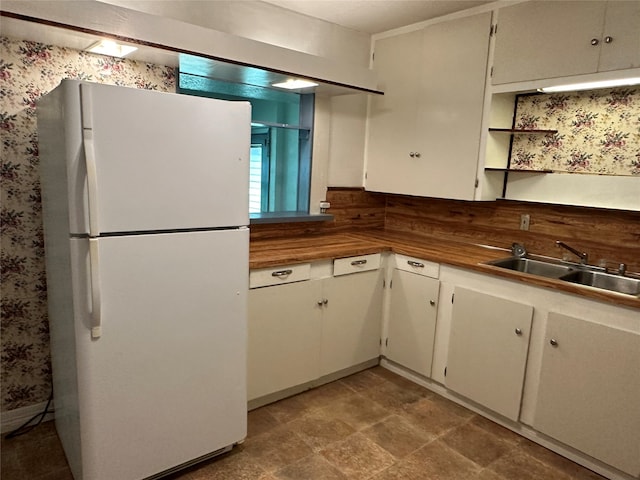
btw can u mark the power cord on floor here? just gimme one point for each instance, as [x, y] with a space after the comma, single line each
[26, 427]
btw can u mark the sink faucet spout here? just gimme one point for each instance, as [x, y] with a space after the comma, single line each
[582, 255]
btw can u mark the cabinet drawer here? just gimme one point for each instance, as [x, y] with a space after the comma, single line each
[363, 263]
[279, 275]
[417, 265]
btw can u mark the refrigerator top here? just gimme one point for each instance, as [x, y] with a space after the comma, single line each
[139, 160]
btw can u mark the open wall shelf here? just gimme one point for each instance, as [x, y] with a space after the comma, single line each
[522, 131]
[522, 170]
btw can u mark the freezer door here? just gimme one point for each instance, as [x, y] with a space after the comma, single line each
[162, 161]
[166, 381]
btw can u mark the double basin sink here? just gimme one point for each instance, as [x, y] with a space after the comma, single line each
[579, 274]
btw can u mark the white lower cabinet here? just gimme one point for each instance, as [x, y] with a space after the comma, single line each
[582, 366]
[351, 320]
[302, 331]
[488, 347]
[284, 337]
[589, 392]
[412, 320]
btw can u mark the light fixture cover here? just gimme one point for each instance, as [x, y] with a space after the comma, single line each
[620, 82]
[111, 48]
[292, 84]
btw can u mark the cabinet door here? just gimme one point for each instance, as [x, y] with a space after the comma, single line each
[451, 105]
[424, 133]
[621, 25]
[284, 337]
[589, 393]
[412, 321]
[392, 116]
[351, 322]
[488, 348]
[547, 40]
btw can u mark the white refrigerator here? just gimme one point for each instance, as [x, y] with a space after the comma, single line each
[145, 205]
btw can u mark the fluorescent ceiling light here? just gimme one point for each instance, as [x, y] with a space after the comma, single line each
[620, 82]
[295, 84]
[111, 48]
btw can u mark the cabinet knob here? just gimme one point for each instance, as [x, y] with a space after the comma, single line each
[319, 303]
[432, 303]
[595, 41]
[608, 39]
[553, 342]
[325, 301]
[417, 154]
[412, 154]
[518, 331]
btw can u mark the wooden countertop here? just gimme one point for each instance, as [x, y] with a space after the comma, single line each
[286, 251]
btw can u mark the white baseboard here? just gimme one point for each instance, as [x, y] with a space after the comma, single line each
[12, 419]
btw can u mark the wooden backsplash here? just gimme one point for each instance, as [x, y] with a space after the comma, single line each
[613, 235]
[352, 209]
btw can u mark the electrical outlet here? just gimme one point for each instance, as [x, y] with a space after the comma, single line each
[524, 221]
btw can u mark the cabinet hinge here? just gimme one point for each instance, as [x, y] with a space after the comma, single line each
[493, 30]
[386, 342]
[491, 73]
[365, 175]
[390, 284]
[384, 283]
[445, 371]
[477, 182]
[452, 295]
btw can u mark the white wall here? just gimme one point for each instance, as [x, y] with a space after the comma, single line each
[347, 139]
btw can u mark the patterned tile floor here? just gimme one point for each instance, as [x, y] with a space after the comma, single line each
[371, 425]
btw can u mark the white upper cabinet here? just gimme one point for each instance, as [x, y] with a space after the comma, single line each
[621, 36]
[424, 132]
[549, 39]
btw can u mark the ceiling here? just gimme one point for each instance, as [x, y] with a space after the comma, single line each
[375, 16]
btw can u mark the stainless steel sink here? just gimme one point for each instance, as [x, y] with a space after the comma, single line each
[543, 268]
[588, 275]
[607, 281]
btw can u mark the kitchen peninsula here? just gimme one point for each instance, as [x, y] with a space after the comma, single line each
[403, 281]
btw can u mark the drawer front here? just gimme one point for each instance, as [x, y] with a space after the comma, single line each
[265, 277]
[362, 263]
[417, 265]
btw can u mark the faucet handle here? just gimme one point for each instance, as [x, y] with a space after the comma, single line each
[622, 269]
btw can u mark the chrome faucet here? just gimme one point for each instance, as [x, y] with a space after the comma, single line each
[582, 255]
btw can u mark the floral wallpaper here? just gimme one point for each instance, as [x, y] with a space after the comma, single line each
[598, 132]
[29, 70]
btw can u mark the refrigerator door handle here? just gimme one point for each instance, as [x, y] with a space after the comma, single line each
[96, 301]
[90, 158]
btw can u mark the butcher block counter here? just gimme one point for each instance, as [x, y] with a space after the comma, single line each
[291, 250]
